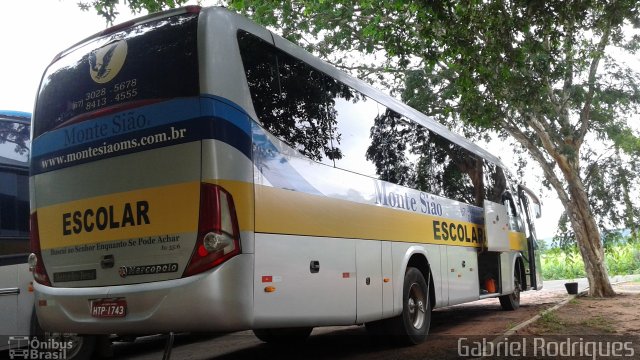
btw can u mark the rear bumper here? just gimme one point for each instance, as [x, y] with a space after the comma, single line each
[220, 299]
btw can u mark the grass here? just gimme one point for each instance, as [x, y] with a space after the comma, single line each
[567, 264]
[573, 301]
[551, 322]
[599, 322]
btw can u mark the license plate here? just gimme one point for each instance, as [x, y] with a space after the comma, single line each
[109, 308]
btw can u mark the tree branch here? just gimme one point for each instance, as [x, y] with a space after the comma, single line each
[593, 69]
[547, 167]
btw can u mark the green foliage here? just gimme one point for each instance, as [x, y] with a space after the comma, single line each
[621, 259]
[107, 8]
[562, 264]
[16, 134]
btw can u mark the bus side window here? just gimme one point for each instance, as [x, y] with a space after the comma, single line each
[494, 181]
[14, 212]
[457, 169]
[515, 221]
[289, 98]
[355, 114]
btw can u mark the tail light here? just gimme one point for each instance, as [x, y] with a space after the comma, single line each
[218, 234]
[36, 265]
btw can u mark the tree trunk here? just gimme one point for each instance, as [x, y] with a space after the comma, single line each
[588, 238]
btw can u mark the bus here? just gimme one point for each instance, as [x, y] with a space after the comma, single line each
[18, 321]
[193, 171]
[16, 299]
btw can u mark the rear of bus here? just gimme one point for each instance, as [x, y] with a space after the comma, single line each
[138, 181]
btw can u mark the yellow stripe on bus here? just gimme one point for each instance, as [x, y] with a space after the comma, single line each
[517, 241]
[175, 209]
[281, 211]
[162, 210]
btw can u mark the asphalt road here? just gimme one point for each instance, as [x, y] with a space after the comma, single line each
[480, 319]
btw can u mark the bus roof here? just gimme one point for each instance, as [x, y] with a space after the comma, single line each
[15, 115]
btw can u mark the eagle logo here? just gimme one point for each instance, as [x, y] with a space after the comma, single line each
[123, 271]
[105, 63]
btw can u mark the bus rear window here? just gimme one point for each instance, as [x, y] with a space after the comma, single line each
[154, 60]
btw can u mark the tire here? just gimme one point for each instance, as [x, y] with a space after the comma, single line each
[412, 326]
[283, 335]
[511, 301]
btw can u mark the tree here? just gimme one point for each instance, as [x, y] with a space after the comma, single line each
[537, 71]
[16, 134]
[107, 8]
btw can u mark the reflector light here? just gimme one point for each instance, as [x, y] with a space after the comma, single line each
[202, 251]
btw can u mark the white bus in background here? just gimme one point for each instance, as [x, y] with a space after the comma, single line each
[192, 171]
[16, 295]
[18, 322]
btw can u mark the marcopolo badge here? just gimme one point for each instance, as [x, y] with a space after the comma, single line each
[106, 62]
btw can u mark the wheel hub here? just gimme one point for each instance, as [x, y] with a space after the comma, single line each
[416, 306]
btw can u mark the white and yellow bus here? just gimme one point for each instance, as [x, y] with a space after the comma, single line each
[193, 171]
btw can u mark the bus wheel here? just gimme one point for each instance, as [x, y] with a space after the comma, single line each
[512, 301]
[283, 335]
[412, 326]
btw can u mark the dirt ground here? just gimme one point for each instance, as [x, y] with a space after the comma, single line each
[596, 328]
[594, 316]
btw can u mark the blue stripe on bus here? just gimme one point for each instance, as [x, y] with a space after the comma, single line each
[155, 115]
[205, 117]
[159, 136]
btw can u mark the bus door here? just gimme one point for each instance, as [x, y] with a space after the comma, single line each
[530, 202]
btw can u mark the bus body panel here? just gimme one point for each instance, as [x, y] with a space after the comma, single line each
[402, 253]
[160, 167]
[211, 301]
[462, 274]
[9, 298]
[369, 281]
[387, 279]
[302, 295]
[147, 204]
[508, 269]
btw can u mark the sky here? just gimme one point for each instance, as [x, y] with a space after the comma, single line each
[34, 31]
